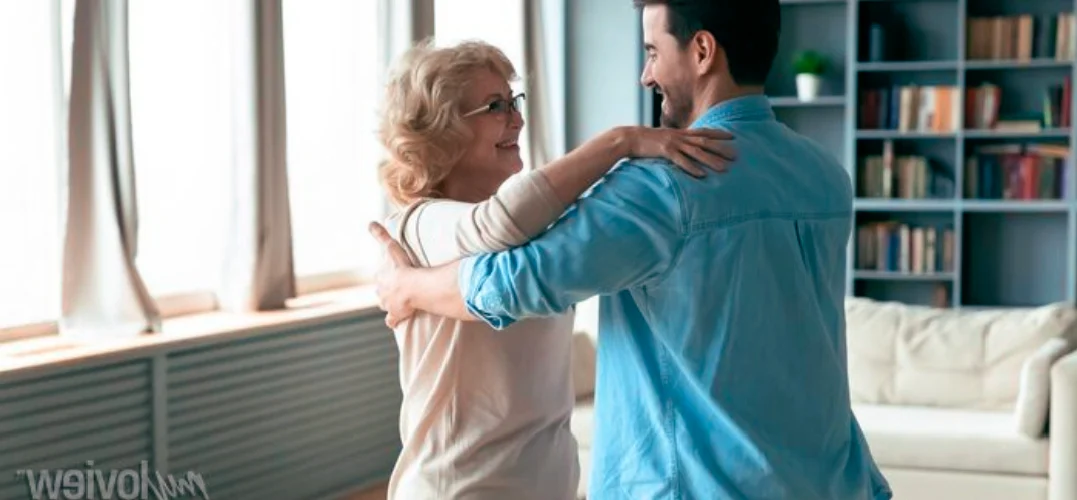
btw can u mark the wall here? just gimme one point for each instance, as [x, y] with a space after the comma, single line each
[603, 56]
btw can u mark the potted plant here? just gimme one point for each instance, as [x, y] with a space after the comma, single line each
[809, 66]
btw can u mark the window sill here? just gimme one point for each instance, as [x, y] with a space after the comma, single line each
[47, 353]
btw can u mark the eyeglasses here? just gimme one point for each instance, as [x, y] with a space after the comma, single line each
[500, 106]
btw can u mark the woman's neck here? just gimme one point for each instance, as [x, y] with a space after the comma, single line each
[470, 189]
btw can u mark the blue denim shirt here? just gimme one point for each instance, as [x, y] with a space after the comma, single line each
[722, 355]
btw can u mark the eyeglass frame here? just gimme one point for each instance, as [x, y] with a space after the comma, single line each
[489, 108]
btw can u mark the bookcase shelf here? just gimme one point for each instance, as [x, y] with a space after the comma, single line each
[907, 66]
[902, 134]
[821, 101]
[1003, 206]
[1012, 64]
[906, 1]
[958, 144]
[903, 205]
[812, 2]
[900, 276]
[977, 205]
[1049, 133]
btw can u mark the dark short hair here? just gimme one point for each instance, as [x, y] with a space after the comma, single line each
[747, 30]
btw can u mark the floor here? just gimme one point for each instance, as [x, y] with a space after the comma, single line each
[376, 493]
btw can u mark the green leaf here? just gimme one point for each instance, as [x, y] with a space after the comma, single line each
[811, 62]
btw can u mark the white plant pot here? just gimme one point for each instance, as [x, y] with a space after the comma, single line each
[808, 86]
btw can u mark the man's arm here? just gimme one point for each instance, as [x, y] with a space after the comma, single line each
[432, 289]
[626, 232]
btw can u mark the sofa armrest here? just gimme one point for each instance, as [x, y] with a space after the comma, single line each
[1063, 429]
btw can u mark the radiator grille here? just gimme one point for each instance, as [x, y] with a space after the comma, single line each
[61, 421]
[299, 414]
[293, 415]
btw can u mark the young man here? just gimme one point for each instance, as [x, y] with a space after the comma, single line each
[721, 358]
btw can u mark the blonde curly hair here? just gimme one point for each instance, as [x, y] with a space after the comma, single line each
[422, 126]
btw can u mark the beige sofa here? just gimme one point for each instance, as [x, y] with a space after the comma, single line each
[955, 405]
[960, 404]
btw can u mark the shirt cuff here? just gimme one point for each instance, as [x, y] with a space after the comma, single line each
[472, 276]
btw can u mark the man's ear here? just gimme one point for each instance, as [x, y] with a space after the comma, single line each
[708, 55]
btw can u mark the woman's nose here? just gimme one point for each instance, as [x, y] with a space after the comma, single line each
[516, 119]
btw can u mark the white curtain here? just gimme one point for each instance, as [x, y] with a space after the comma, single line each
[545, 78]
[103, 294]
[259, 272]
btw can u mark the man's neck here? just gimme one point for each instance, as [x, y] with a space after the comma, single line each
[717, 91]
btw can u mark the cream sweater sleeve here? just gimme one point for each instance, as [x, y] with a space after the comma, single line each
[440, 231]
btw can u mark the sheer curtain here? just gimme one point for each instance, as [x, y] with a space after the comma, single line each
[103, 294]
[259, 269]
[543, 40]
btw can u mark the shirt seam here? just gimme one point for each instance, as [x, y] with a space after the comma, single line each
[409, 224]
[682, 229]
[425, 259]
[766, 214]
[554, 205]
[663, 361]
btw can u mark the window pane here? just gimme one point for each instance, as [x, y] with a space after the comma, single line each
[182, 111]
[332, 79]
[31, 157]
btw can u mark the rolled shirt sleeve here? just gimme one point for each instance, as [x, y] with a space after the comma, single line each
[625, 233]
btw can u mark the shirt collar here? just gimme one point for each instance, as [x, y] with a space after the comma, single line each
[749, 107]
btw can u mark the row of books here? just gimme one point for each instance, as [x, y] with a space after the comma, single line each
[888, 175]
[984, 100]
[1021, 37]
[937, 108]
[1018, 172]
[911, 108]
[900, 247]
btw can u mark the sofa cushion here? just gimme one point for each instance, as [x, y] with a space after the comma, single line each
[583, 423]
[917, 355]
[948, 439]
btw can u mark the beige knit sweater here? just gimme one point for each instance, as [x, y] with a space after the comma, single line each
[485, 413]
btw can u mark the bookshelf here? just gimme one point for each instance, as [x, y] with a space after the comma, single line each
[954, 120]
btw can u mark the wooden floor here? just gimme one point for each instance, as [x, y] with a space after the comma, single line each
[376, 493]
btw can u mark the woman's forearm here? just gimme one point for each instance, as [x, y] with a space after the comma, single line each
[572, 174]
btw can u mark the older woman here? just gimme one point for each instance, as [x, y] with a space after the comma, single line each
[486, 413]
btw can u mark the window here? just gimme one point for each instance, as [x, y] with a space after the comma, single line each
[332, 60]
[32, 127]
[497, 22]
[182, 114]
